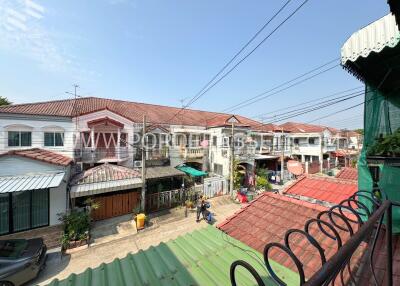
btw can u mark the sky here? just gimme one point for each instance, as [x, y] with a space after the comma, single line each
[165, 51]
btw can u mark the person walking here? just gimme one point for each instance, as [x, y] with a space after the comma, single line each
[199, 207]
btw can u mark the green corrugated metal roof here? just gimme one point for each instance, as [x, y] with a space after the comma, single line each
[202, 257]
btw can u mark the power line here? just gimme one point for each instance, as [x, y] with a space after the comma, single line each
[250, 53]
[306, 102]
[204, 91]
[347, 119]
[308, 110]
[348, 96]
[246, 102]
[243, 48]
[354, 106]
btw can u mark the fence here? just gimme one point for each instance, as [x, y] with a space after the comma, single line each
[169, 199]
[313, 167]
[347, 217]
[215, 186]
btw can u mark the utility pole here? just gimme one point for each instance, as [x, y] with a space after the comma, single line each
[143, 196]
[76, 114]
[232, 158]
[282, 156]
[321, 160]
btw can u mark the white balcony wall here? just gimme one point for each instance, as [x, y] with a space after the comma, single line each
[37, 126]
[129, 128]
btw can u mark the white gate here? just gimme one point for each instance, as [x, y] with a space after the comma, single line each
[215, 186]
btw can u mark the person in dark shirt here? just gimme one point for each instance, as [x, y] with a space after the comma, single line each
[199, 207]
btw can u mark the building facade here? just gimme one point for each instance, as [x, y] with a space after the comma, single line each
[100, 144]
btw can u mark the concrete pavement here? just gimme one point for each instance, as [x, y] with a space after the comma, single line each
[169, 225]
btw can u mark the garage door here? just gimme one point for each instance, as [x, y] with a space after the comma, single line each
[115, 205]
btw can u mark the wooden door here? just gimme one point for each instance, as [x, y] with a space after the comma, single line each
[115, 205]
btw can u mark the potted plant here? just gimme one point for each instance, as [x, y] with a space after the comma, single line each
[189, 204]
[76, 229]
[91, 205]
[135, 212]
[385, 149]
[386, 146]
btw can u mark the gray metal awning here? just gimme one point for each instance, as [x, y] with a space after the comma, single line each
[90, 189]
[21, 183]
[262, 157]
[162, 172]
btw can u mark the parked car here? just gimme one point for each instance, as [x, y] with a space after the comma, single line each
[21, 260]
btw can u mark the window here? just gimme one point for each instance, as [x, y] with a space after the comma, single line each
[53, 139]
[214, 143]
[226, 141]
[296, 140]
[311, 141]
[123, 140]
[19, 138]
[29, 209]
[13, 248]
[4, 217]
[218, 168]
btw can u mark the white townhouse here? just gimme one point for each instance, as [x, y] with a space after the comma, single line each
[56, 154]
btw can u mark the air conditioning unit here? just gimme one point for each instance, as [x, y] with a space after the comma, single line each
[77, 168]
[137, 164]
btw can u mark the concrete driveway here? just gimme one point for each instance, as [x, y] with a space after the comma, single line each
[164, 226]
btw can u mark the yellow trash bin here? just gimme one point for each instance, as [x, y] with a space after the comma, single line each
[140, 218]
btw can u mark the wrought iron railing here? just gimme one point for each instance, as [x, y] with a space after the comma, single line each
[169, 199]
[351, 212]
[94, 155]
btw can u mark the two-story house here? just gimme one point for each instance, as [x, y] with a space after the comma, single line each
[310, 143]
[69, 150]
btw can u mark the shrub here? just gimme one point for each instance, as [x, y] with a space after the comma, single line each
[76, 226]
[386, 146]
[262, 183]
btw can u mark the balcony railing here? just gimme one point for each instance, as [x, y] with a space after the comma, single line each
[157, 154]
[245, 153]
[330, 148]
[192, 152]
[263, 150]
[89, 155]
[333, 223]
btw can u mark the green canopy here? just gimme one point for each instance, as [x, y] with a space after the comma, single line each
[191, 171]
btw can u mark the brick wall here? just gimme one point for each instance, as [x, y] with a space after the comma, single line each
[51, 235]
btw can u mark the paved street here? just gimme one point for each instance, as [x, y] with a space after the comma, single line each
[163, 228]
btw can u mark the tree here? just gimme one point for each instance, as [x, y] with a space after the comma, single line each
[360, 131]
[4, 101]
[238, 174]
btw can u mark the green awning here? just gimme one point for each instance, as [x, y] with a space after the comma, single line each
[191, 171]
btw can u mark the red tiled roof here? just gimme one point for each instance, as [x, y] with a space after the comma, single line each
[306, 128]
[270, 128]
[103, 173]
[134, 111]
[267, 218]
[348, 174]
[364, 277]
[344, 152]
[326, 189]
[42, 155]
